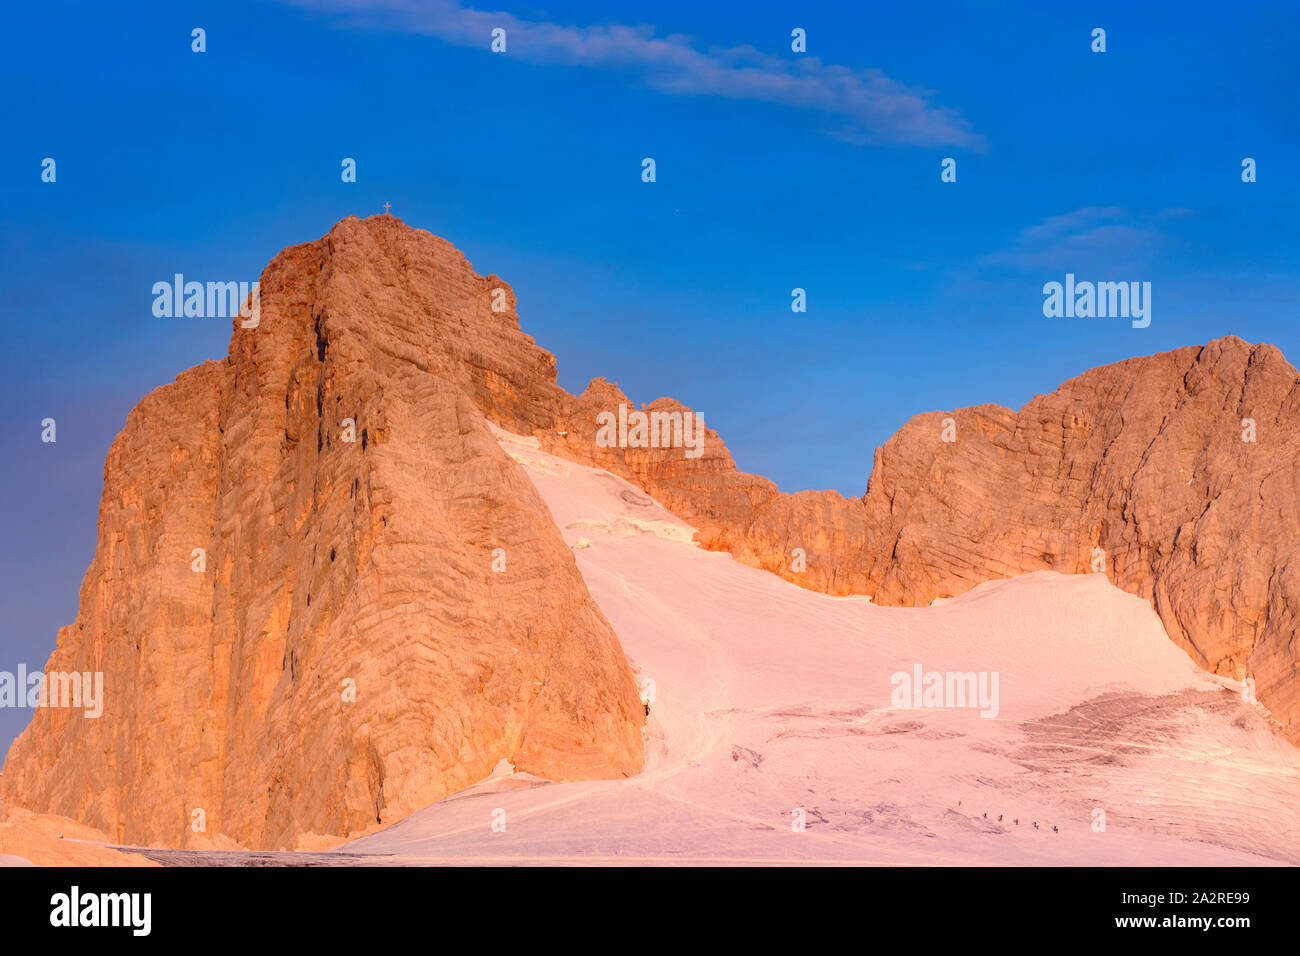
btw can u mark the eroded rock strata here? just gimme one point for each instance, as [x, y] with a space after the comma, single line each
[1141, 469]
[329, 562]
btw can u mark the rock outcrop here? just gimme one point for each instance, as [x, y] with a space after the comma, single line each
[27, 838]
[322, 595]
[1177, 475]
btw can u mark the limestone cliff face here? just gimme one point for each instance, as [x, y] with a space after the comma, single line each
[1140, 467]
[1144, 460]
[415, 563]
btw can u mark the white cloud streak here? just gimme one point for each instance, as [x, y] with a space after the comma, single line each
[1081, 238]
[869, 106]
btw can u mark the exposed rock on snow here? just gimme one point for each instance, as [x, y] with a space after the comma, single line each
[771, 699]
[325, 592]
[1140, 469]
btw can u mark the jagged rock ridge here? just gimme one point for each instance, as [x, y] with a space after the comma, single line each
[372, 560]
[415, 563]
[1143, 464]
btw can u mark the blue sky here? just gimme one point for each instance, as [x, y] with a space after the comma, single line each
[775, 170]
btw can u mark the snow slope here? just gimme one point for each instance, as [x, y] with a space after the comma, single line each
[771, 700]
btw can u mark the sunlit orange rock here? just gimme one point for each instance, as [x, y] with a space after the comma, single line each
[384, 608]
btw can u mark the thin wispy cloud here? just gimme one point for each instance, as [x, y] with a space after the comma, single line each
[867, 105]
[1082, 237]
